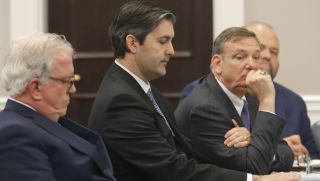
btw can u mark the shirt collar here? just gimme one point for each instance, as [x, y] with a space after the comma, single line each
[145, 86]
[19, 102]
[236, 101]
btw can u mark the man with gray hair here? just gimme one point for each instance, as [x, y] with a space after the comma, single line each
[211, 115]
[36, 141]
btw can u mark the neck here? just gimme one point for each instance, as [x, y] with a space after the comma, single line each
[131, 65]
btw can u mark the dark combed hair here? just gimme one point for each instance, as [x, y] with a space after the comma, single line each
[137, 18]
[228, 35]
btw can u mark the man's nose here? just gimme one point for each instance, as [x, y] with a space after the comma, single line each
[72, 89]
[170, 49]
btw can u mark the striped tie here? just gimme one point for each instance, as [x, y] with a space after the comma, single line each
[149, 93]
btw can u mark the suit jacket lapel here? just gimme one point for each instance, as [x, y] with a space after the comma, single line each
[61, 132]
[253, 105]
[119, 74]
[280, 107]
[224, 99]
[122, 74]
[97, 152]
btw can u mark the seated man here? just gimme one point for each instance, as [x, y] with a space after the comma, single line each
[36, 142]
[220, 102]
[298, 122]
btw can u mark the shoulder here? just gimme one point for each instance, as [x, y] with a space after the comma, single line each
[19, 132]
[12, 122]
[201, 99]
[287, 94]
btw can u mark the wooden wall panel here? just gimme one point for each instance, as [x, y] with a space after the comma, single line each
[85, 24]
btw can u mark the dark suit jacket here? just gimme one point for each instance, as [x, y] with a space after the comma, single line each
[205, 116]
[35, 148]
[140, 143]
[290, 107]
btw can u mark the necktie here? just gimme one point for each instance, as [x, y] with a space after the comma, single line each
[245, 117]
[149, 93]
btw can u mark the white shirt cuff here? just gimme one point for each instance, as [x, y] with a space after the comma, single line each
[249, 177]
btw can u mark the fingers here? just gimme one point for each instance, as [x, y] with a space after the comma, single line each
[260, 84]
[241, 144]
[231, 131]
[235, 123]
[237, 137]
[239, 141]
[296, 146]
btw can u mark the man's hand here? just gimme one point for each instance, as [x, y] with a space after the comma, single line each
[278, 176]
[296, 146]
[237, 137]
[261, 86]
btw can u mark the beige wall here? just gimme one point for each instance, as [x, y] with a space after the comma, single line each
[297, 23]
[16, 19]
[4, 35]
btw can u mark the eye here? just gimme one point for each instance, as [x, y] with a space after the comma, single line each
[275, 52]
[256, 57]
[163, 40]
[239, 57]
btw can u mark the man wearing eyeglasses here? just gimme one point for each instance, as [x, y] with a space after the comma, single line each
[36, 141]
[224, 124]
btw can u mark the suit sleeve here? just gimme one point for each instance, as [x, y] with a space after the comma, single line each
[22, 157]
[207, 130]
[306, 132]
[284, 158]
[131, 131]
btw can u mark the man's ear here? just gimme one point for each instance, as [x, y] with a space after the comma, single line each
[34, 88]
[216, 63]
[132, 43]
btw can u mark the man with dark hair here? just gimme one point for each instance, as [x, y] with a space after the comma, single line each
[131, 115]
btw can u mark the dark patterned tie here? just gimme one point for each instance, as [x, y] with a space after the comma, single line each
[149, 93]
[245, 117]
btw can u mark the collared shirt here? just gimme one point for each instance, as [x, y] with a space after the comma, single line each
[15, 100]
[236, 101]
[145, 86]
[238, 104]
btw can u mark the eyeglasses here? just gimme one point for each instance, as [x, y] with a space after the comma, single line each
[67, 83]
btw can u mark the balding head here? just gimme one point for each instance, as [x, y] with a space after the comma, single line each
[269, 44]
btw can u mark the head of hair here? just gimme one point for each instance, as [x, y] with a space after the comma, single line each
[230, 34]
[137, 18]
[31, 56]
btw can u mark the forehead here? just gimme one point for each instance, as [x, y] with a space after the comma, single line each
[267, 37]
[164, 28]
[242, 44]
[63, 62]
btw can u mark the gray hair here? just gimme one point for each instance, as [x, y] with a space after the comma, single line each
[31, 56]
